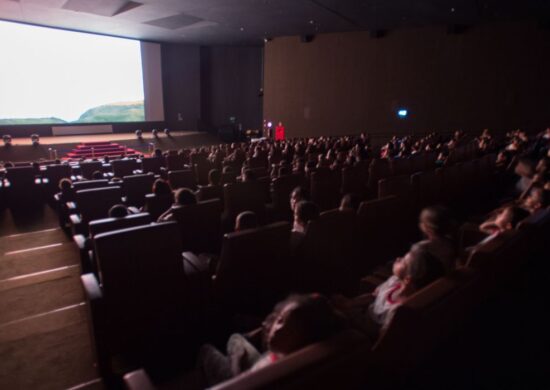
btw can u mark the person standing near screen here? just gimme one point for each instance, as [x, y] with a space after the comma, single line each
[280, 132]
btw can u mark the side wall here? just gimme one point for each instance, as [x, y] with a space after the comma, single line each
[492, 76]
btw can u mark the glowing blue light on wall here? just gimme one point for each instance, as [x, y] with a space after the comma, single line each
[402, 113]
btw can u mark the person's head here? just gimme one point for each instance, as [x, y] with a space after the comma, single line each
[510, 216]
[214, 177]
[304, 212]
[246, 220]
[436, 221]
[350, 202]
[537, 199]
[298, 194]
[118, 211]
[97, 175]
[65, 185]
[299, 321]
[417, 268]
[283, 170]
[161, 187]
[185, 197]
[157, 153]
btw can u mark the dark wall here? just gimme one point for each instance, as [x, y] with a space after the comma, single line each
[181, 77]
[492, 76]
[231, 80]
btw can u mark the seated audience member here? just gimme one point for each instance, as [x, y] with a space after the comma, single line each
[246, 220]
[118, 211]
[161, 188]
[248, 175]
[304, 212]
[537, 199]
[182, 197]
[214, 177]
[298, 194]
[97, 175]
[370, 312]
[507, 219]
[438, 227]
[294, 324]
[350, 202]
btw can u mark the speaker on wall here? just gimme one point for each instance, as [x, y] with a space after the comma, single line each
[307, 38]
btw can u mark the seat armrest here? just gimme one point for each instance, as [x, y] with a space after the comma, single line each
[195, 261]
[75, 219]
[91, 288]
[71, 206]
[80, 241]
[57, 197]
[138, 380]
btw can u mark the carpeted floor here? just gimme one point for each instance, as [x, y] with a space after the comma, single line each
[44, 337]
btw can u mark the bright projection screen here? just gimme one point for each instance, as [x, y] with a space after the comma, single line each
[52, 76]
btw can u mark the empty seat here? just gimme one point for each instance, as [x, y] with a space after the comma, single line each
[89, 184]
[54, 173]
[135, 188]
[151, 165]
[239, 197]
[139, 305]
[94, 204]
[254, 271]
[202, 167]
[182, 179]
[157, 205]
[325, 189]
[125, 167]
[378, 169]
[200, 226]
[325, 255]
[87, 168]
[22, 189]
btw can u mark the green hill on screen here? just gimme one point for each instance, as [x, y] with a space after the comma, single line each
[115, 112]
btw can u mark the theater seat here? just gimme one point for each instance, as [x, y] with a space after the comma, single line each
[336, 363]
[89, 184]
[93, 204]
[244, 196]
[254, 271]
[22, 187]
[325, 188]
[200, 226]
[182, 179]
[124, 167]
[87, 168]
[281, 188]
[209, 192]
[151, 165]
[54, 174]
[354, 180]
[135, 187]
[138, 307]
[157, 205]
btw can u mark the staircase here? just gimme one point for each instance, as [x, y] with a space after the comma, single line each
[99, 150]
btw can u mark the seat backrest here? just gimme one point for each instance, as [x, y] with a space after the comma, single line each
[354, 180]
[54, 173]
[99, 226]
[243, 196]
[135, 188]
[326, 254]
[397, 186]
[142, 282]
[400, 166]
[175, 162]
[151, 164]
[202, 168]
[210, 192]
[87, 168]
[428, 187]
[424, 321]
[254, 270]
[89, 184]
[325, 188]
[200, 226]
[281, 188]
[21, 176]
[184, 178]
[125, 167]
[335, 363]
[379, 169]
[228, 178]
[95, 203]
[157, 205]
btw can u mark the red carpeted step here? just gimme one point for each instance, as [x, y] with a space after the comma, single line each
[100, 149]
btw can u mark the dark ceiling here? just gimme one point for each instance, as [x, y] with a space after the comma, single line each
[216, 22]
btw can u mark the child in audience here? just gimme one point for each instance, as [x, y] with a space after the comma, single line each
[161, 188]
[66, 193]
[304, 212]
[97, 175]
[246, 220]
[439, 230]
[507, 219]
[298, 194]
[370, 312]
[118, 211]
[295, 323]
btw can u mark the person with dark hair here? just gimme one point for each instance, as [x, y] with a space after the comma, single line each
[97, 175]
[537, 199]
[295, 323]
[66, 190]
[246, 220]
[161, 188]
[298, 194]
[118, 211]
[214, 177]
[439, 229]
[182, 197]
[248, 175]
[350, 202]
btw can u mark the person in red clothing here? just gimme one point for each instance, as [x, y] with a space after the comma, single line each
[280, 132]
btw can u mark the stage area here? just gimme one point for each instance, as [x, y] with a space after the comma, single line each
[23, 150]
